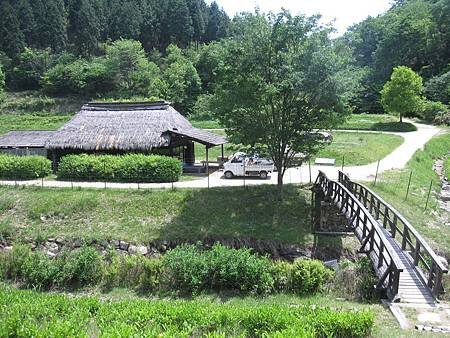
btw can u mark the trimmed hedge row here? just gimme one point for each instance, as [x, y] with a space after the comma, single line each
[119, 168]
[57, 315]
[186, 269]
[24, 167]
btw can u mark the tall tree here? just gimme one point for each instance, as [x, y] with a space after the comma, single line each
[51, 22]
[177, 26]
[218, 23]
[125, 19]
[402, 93]
[26, 18]
[278, 84]
[12, 40]
[83, 27]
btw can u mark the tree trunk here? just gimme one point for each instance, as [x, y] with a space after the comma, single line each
[280, 184]
[401, 118]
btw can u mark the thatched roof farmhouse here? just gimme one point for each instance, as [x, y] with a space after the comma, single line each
[26, 142]
[149, 127]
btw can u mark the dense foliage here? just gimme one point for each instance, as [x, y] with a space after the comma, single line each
[413, 33]
[116, 168]
[281, 80]
[60, 315]
[24, 167]
[80, 26]
[186, 269]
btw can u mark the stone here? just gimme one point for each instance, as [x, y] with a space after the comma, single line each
[77, 243]
[52, 247]
[115, 243]
[123, 245]
[142, 250]
[419, 327]
[43, 218]
[51, 254]
[132, 249]
[8, 248]
[429, 317]
[332, 264]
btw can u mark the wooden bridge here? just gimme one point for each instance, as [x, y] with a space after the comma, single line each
[406, 266]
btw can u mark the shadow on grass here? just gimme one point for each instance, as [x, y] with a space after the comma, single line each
[239, 213]
[394, 126]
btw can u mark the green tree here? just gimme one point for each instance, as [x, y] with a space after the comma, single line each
[31, 67]
[279, 83]
[11, 37]
[438, 88]
[83, 27]
[183, 82]
[125, 18]
[26, 18]
[132, 72]
[402, 94]
[2, 84]
[218, 23]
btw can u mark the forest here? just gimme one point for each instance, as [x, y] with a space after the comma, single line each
[178, 49]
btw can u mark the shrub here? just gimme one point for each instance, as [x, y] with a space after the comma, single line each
[12, 262]
[355, 280]
[281, 273]
[428, 110]
[309, 276]
[125, 168]
[190, 269]
[443, 118]
[39, 272]
[132, 272]
[79, 268]
[24, 167]
[438, 88]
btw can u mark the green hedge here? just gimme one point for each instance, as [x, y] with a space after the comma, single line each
[33, 314]
[186, 269]
[24, 167]
[119, 168]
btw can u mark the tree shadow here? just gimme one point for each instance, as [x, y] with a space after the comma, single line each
[238, 213]
[394, 126]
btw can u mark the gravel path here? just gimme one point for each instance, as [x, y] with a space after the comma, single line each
[396, 160]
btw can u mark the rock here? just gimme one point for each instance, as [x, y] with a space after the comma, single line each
[104, 244]
[77, 243]
[59, 241]
[43, 218]
[115, 243]
[427, 328]
[132, 249]
[419, 327]
[51, 254]
[52, 247]
[333, 264]
[142, 250]
[123, 245]
[8, 248]
[444, 261]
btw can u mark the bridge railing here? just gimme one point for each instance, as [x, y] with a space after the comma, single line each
[421, 253]
[370, 234]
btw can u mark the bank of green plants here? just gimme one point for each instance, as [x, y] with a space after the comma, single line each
[119, 168]
[61, 315]
[187, 269]
[24, 167]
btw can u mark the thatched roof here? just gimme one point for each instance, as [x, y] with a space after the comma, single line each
[127, 127]
[25, 139]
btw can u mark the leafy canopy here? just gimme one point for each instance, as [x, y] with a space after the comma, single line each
[278, 83]
[402, 94]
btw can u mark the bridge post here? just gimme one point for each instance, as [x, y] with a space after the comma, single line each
[319, 197]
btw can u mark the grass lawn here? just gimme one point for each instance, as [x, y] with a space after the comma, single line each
[393, 187]
[376, 122]
[148, 215]
[38, 121]
[360, 148]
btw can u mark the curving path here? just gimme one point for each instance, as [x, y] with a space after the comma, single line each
[413, 141]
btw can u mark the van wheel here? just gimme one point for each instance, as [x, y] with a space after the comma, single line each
[228, 174]
[263, 175]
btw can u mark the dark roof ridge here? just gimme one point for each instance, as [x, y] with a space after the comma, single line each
[124, 106]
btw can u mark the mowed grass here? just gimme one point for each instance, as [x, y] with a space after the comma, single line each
[206, 124]
[360, 148]
[37, 121]
[141, 216]
[393, 187]
[376, 122]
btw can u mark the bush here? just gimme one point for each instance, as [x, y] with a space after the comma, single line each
[428, 110]
[356, 280]
[189, 269]
[79, 268]
[443, 118]
[12, 262]
[281, 273]
[309, 276]
[438, 88]
[24, 167]
[132, 272]
[126, 168]
[32, 65]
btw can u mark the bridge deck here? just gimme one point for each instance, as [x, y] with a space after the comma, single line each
[397, 265]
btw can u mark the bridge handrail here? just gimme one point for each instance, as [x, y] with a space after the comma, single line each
[418, 249]
[399, 266]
